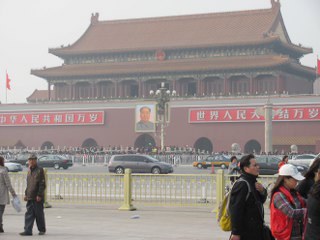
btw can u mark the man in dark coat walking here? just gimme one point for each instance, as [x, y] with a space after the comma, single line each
[34, 195]
[247, 209]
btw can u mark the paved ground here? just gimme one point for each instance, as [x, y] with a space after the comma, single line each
[107, 222]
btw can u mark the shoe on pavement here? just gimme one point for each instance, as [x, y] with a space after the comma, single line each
[25, 234]
[42, 233]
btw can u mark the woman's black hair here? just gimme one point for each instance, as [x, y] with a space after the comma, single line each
[233, 157]
[310, 174]
[315, 190]
[284, 157]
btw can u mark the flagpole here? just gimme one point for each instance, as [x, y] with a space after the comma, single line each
[6, 87]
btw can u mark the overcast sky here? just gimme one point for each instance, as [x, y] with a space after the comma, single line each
[29, 28]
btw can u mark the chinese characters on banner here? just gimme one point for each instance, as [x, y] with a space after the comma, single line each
[252, 114]
[52, 118]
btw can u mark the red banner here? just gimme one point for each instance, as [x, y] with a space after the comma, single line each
[52, 118]
[253, 114]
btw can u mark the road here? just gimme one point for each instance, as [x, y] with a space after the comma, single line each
[78, 168]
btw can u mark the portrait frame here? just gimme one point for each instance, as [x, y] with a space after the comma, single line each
[149, 126]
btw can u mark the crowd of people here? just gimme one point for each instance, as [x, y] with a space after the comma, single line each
[294, 204]
[110, 150]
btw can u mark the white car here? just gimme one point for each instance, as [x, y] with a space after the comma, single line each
[318, 156]
[303, 159]
[13, 167]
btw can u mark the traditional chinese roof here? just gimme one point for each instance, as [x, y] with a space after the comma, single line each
[172, 66]
[39, 95]
[189, 31]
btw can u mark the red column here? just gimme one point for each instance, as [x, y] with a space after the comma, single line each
[251, 85]
[226, 85]
[49, 91]
[140, 88]
[116, 89]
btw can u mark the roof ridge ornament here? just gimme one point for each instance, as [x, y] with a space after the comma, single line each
[94, 18]
[275, 3]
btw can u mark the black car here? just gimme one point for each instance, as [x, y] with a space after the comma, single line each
[138, 164]
[269, 165]
[21, 158]
[55, 161]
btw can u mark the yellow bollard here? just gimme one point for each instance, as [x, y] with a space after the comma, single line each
[220, 188]
[127, 203]
[46, 204]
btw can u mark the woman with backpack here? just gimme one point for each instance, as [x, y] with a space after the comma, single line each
[287, 206]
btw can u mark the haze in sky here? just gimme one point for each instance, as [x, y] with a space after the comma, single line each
[29, 28]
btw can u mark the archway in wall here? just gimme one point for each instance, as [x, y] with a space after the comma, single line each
[47, 145]
[203, 144]
[252, 146]
[89, 142]
[144, 140]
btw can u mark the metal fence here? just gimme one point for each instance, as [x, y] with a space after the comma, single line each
[174, 159]
[170, 189]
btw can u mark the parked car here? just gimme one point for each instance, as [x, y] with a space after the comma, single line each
[318, 156]
[21, 158]
[269, 164]
[218, 160]
[55, 161]
[138, 164]
[303, 159]
[13, 167]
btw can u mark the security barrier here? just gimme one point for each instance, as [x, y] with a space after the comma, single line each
[146, 189]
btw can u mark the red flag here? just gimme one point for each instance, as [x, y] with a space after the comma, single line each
[318, 66]
[8, 80]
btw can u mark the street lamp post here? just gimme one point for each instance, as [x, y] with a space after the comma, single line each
[162, 96]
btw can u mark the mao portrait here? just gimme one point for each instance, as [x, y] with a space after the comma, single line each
[145, 118]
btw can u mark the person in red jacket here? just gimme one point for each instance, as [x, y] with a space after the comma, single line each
[284, 161]
[287, 207]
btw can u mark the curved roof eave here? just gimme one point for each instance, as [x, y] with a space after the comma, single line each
[65, 53]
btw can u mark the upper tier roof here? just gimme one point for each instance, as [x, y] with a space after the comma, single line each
[172, 66]
[200, 30]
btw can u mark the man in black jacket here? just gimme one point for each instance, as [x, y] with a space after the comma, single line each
[247, 209]
[34, 195]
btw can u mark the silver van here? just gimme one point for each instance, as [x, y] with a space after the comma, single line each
[138, 164]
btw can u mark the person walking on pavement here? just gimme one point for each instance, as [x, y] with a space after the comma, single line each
[287, 206]
[313, 219]
[5, 187]
[247, 212]
[34, 195]
[284, 161]
[311, 176]
[233, 168]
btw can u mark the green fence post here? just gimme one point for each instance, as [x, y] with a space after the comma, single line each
[46, 204]
[127, 202]
[220, 187]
